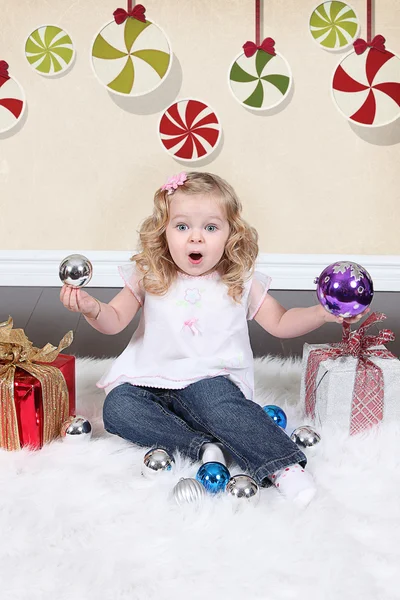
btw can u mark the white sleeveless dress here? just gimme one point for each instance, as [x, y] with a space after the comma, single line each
[193, 332]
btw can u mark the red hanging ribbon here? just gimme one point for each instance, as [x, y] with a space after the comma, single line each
[378, 43]
[137, 12]
[258, 22]
[250, 48]
[369, 20]
[267, 45]
[368, 392]
[4, 76]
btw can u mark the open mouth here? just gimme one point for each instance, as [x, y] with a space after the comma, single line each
[195, 258]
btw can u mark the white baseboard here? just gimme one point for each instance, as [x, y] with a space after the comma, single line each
[39, 268]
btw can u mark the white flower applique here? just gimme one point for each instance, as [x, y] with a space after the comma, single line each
[192, 295]
[192, 298]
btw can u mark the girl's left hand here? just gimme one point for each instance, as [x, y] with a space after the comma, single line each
[329, 318]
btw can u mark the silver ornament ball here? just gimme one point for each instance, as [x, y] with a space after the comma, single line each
[188, 491]
[305, 436]
[75, 270]
[243, 490]
[76, 429]
[156, 461]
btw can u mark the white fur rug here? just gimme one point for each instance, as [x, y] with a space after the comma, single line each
[80, 522]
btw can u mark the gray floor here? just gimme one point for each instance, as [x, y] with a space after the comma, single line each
[40, 313]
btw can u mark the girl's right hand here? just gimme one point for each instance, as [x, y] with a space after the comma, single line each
[76, 300]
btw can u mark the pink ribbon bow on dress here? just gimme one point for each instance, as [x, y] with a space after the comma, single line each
[191, 323]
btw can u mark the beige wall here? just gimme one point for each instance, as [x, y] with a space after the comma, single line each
[82, 170]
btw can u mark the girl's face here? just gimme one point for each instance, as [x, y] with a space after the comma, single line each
[197, 232]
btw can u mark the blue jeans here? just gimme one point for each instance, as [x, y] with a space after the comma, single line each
[210, 410]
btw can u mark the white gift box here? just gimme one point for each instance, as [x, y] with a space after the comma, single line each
[334, 383]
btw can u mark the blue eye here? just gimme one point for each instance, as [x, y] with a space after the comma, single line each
[179, 227]
[211, 228]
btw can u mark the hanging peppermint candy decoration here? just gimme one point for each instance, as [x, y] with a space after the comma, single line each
[131, 56]
[49, 50]
[334, 25]
[366, 83]
[260, 78]
[12, 99]
[189, 130]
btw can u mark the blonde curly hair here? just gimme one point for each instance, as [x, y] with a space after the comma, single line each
[236, 265]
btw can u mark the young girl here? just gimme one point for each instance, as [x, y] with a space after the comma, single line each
[185, 380]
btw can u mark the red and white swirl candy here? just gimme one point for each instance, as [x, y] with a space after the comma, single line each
[366, 84]
[12, 99]
[189, 130]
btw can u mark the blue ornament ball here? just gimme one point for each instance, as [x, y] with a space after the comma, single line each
[214, 476]
[276, 414]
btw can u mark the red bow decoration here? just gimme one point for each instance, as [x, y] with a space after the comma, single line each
[378, 43]
[368, 392]
[4, 76]
[137, 12]
[267, 45]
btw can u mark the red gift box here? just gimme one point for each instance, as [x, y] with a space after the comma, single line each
[28, 400]
[37, 389]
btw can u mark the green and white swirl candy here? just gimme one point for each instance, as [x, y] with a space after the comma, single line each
[49, 50]
[131, 59]
[334, 25]
[260, 82]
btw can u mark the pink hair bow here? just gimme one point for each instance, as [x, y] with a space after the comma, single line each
[173, 182]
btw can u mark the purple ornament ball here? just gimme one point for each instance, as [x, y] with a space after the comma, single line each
[345, 289]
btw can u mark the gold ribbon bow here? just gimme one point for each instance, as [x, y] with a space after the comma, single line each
[16, 351]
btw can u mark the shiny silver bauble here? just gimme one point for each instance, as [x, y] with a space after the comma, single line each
[156, 461]
[188, 491]
[76, 270]
[305, 436]
[243, 490]
[76, 429]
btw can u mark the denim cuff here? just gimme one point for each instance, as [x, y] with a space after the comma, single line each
[262, 474]
[194, 449]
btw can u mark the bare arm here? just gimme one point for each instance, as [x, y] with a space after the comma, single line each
[112, 317]
[117, 314]
[282, 323]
